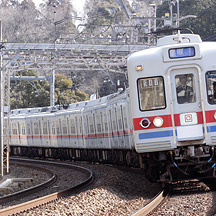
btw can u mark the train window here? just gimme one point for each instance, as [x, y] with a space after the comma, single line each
[211, 86]
[98, 123]
[45, 131]
[40, 127]
[80, 125]
[14, 128]
[53, 127]
[125, 118]
[28, 129]
[64, 125]
[119, 116]
[185, 88]
[87, 125]
[31, 128]
[23, 128]
[36, 131]
[59, 127]
[99, 127]
[105, 122]
[91, 126]
[18, 128]
[72, 124]
[49, 128]
[151, 93]
[114, 125]
[102, 121]
[76, 124]
[105, 126]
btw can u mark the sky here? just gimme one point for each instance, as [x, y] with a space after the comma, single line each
[77, 4]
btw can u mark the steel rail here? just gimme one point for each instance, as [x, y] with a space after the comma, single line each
[43, 200]
[32, 189]
[154, 203]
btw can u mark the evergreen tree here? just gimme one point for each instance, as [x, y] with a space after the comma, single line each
[204, 24]
[37, 94]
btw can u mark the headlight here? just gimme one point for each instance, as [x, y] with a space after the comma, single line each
[145, 123]
[215, 115]
[158, 121]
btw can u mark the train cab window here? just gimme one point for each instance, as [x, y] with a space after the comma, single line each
[151, 93]
[211, 86]
[185, 88]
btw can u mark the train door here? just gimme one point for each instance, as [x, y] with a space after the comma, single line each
[59, 131]
[45, 133]
[29, 131]
[53, 139]
[14, 135]
[73, 136]
[121, 131]
[87, 130]
[79, 123]
[187, 105]
[127, 132]
[23, 133]
[115, 133]
[106, 129]
[98, 130]
[36, 133]
[65, 139]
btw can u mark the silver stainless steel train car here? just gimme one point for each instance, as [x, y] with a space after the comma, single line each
[97, 130]
[173, 106]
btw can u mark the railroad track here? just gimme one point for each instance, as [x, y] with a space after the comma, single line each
[176, 188]
[32, 189]
[153, 204]
[45, 199]
[161, 197]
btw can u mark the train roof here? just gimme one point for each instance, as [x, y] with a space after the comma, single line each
[74, 107]
[179, 38]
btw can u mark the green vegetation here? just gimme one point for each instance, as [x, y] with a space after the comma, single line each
[37, 94]
[204, 24]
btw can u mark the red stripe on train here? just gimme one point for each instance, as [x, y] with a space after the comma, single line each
[168, 123]
[166, 118]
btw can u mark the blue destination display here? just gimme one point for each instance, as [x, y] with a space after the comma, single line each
[182, 52]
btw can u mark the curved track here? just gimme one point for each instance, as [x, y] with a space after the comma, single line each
[43, 200]
[152, 205]
[31, 189]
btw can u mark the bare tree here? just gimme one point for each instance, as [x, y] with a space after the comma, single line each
[23, 22]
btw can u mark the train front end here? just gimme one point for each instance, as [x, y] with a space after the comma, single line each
[173, 107]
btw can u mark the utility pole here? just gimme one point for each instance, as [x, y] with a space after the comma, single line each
[178, 13]
[52, 81]
[4, 123]
[1, 108]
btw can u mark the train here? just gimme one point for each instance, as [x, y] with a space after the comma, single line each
[97, 130]
[165, 123]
